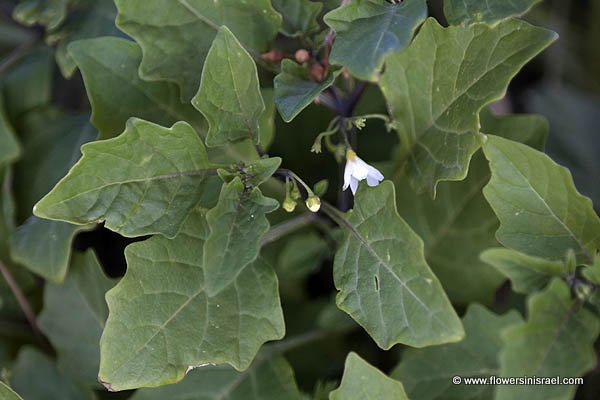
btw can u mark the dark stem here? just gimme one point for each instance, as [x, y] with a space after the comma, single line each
[22, 300]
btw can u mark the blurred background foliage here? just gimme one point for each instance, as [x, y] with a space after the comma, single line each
[42, 91]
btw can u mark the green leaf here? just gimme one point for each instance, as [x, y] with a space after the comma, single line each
[110, 71]
[35, 377]
[28, 85]
[367, 30]
[427, 373]
[527, 274]
[529, 129]
[190, 27]
[266, 379]
[10, 149]
[490, 11]
[384, 281]
[229, 96]
[299, 16]
[459, 224]
[49, 13]
[151, 169]
[44, 247]
[6, 393]
[592, 272]
[363, 381]
[51, 143]
[88, 19]
[301, 255]
[294, 91]
[236, 225]
[556, 340]
[253, 174]
[162, 322]
[74, 315]
[436, 88]
[540, 211]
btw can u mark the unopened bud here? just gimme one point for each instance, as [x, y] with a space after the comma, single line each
[289, 205]
[302, 56]
[313, 203]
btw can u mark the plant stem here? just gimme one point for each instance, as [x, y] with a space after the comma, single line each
[21, 299]
[17, 54]
[288, 227]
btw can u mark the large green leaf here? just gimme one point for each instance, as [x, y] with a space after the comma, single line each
[229, 95]
[556, 340]
[10, 149]
[6, 393]
[363, 381]
[86, 19]
[236, 225]
[294, 91]
[49, 13]
[459, 224]
[151, 169]
[110, 72]
[266, 379]
[384, 281]
[436, 88]
[51, 143]
[427, 373]
[527, 274]
[28, 85]
[44, 247]
[299, 16]
[175, 35]
[367, 30]
[490, 11]
[74, 315]
[35, 377]
[162, 321]
[540, 211]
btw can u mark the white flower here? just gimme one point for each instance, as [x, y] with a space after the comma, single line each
[358, 170]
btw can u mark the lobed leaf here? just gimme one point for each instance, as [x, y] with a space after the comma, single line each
[383, 280]
[162, 321]
[363, 381]
[175, 35]
[299, 16]
[367, 30]
[490, 11]
[427, 373]
[236, 226]
[294, 91]
[556, 340]
[151, 169]
[436, 88]
[527, 274]
[540, 211]
[229, 96]
[51, 143]
[35, 377]
[459, 224]
[74, 316]
[266, 379]
[109, 67]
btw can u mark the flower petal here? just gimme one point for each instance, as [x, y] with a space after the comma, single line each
[372, 181]
[354, 185]
[360, 169]
[347, 175]
[374, 173]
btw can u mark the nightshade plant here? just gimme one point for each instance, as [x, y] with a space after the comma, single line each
[256, 263]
